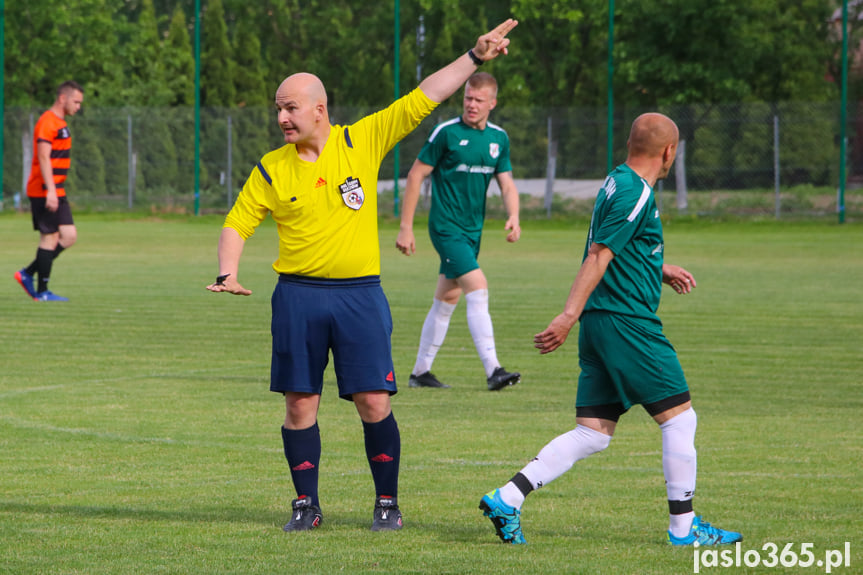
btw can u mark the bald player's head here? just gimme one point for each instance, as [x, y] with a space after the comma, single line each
[652, 146]
[302, 103]
[651, 134]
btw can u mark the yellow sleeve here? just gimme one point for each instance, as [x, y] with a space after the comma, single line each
[253, 203]
[381, 131]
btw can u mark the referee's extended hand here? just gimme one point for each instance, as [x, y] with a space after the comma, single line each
[229, 285]
[489, 45]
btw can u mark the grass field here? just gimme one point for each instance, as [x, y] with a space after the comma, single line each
[138, 435]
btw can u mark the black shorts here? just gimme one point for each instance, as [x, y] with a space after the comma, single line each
[48, 222]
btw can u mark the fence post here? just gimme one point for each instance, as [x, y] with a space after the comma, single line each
[27, 163]
[680, 177]
[776, 162]
[551, 168]
[230, 157]
[131, 162]
[26, 159]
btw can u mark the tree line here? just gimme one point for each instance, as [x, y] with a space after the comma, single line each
[138, 56]
[140, 52]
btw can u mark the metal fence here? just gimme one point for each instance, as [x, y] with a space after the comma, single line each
[776, 160]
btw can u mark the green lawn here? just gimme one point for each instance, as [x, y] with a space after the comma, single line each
[138, 435]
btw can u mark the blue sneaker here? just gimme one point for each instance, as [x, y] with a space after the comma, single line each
[703, 533]
[506, 519]
[26, 281]
[49, 296]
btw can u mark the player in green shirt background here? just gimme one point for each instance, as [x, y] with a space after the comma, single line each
[461, 155]
[624, 357]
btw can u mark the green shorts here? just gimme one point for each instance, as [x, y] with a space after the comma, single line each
[458, 253]
[625, 360]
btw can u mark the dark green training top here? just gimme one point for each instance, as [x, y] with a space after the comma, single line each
[464, 161]
[625, 219]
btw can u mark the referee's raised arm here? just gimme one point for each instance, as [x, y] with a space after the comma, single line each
[444, 83]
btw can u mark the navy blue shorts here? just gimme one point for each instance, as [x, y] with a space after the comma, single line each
[351, 317]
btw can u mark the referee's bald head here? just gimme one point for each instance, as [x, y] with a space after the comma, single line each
[303, 84]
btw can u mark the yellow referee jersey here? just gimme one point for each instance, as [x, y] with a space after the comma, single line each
[326, 211]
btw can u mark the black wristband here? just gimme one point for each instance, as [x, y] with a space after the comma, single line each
[476, 59]
[220, 280]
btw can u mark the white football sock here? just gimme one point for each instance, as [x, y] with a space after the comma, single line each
[433, 334]
[679, 465]
[479, 324]
[511, 495]
[555, 459]
[679, 524]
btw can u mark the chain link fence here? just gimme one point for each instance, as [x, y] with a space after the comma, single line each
[755, 160]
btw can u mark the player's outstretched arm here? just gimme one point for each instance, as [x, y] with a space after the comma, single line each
[406, 241]
[230, 250]
[444, 83]
[678, 278]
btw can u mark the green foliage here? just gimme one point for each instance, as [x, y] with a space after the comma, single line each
[16, 130]
[722, 51]
[50, 41]
[791, 44]
[249, 71]
[671, 52]
[568, 52]
[217, 64]
[157, 152]
[179, 62]
[147, 85]
[682, 56]
[88, 166]
[664, 49]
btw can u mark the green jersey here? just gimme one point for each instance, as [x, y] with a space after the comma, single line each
[625, 220]
[464, 160]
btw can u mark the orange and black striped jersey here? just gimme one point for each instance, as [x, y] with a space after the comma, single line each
[55, 131]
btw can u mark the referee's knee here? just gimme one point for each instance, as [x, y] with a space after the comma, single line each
[373, 406]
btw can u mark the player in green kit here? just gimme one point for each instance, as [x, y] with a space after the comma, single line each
[624, 357]
[461, 155]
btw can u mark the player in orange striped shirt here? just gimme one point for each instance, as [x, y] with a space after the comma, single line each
[52, 216]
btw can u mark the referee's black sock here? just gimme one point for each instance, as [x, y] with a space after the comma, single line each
[58, 250]
[44, 261]
[383, 448]
[303, 452]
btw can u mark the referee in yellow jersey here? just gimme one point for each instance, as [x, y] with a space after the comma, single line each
[321, 189]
